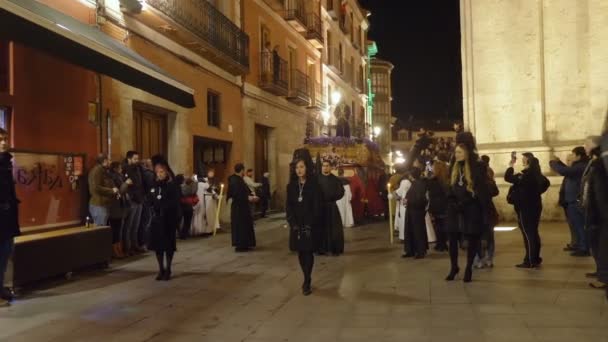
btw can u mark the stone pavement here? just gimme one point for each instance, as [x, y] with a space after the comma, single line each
[369, 294]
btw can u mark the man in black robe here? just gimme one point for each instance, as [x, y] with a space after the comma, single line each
[332, 234]
[243, 235]
[416, 240]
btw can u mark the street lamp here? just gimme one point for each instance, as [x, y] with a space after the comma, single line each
[399, 160]
[377, 131]
[336, 96]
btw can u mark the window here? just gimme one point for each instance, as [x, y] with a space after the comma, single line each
[213, 109]
[5, 119]
[5, 70]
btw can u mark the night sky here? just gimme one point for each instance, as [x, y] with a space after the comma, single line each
[422, 40]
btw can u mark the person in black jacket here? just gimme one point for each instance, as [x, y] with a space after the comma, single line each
[303, 209]
[437, 187]
[528, 186]
[572, 176]
[9, 213]
[265, 193]
[332, 190]
[241, 221]
[131, 228]
[416, 240]
[594, 200]
[468, 206]
[165, 220]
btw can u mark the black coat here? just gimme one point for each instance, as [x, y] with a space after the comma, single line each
[527, 189]
[572, 177]
[241, 221]
[265, 194]
[595, 196]
[332, 190]
[9, 204]
[136, 190]
[438, 197]
[165, 219]
[470, 213]
[305, 213]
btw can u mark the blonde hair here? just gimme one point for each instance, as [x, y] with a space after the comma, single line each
[467, 170]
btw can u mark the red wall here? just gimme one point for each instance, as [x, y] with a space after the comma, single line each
[49, 102]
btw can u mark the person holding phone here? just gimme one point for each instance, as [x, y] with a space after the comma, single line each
[525, 195]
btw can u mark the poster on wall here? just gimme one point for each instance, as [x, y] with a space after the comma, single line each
[48, 187]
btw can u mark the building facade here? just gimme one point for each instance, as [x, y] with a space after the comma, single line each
[283, 92]
[202, 44]
[535, 79]
[82, 77]
[345, 68]
[381, 72]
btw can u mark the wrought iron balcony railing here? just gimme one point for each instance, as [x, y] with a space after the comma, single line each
[314, 31]
[205, 21]
[318, 101]
[295, 14]
[273, 74]
[299, 88]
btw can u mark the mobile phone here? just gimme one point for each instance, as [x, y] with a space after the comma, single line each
[514, 155]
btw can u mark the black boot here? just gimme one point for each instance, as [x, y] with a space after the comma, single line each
[167, 276]
[468, 275]
[161, 266]
[453, 272]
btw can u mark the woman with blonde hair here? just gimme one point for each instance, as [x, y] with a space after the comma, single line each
[468, 206]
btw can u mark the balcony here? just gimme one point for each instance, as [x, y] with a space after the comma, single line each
[333, 9]
[273, 74]
[202, 28]
[314, 32]
[295, 14]
[318, 100]
[299, 90]
[334, 60]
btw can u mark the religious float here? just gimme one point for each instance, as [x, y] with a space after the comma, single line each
[363, 167]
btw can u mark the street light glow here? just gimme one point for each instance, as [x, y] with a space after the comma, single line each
[336, 96]
[377, 130]
[399, 160]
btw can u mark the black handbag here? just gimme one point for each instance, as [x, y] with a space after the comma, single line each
[303, 238]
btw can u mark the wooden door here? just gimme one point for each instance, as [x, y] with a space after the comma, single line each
[150, 133]
[261, 152]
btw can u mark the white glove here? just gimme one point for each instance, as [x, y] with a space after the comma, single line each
[390, 196]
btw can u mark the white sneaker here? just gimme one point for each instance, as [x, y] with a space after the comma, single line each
[488, 262]
[478, 264]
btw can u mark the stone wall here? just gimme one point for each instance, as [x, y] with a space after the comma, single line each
[535, 78]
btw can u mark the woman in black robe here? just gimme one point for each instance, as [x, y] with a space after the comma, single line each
[332, 240]
[415, 224]
[165, 220]
[241, 221]
[303, 207]
[468, 207]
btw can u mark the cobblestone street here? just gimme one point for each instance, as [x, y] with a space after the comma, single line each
[369, 294]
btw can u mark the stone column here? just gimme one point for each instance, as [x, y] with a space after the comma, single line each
[534, 79]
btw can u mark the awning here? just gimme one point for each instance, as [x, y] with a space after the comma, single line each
[34, 24]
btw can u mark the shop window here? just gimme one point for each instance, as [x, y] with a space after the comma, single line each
[213, 109]
[5, 118]
[5, 74]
